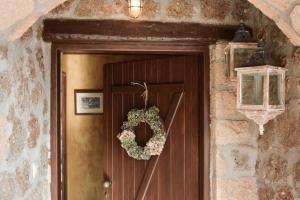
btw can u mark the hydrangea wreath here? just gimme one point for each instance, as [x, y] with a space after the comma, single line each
[155, 144]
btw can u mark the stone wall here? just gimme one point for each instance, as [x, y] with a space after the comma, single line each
[286, 15]
[15, 20]
[24, 118]
[242, 167]
[245, 165]
[233, 137]
[277, 167]
[18, 15]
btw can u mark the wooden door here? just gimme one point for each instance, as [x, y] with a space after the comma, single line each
[177, 175]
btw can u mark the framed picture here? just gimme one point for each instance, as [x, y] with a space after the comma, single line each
[88, 102]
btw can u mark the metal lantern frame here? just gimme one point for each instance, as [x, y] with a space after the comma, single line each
[230, 55]
[261, 114]
[131, 7]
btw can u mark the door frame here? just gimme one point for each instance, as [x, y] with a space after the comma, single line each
[127, 37]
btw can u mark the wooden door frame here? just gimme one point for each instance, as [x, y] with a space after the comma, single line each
[184, 38]
[130, 48]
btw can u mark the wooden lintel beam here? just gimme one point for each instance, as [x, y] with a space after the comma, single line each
[72, 29]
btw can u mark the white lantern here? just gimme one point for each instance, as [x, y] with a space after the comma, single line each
[261, 93]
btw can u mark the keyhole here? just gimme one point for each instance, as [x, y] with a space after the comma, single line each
[106, 195]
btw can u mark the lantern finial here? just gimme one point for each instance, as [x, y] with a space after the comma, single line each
[261, 129]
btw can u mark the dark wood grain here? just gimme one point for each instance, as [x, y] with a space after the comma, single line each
[129, 163]
[131, 47]
[177, 155]
[204, 121]
[64, 135]
[55, 137]
[152, 70]
[157, 178]
[173, 87]
[192, 140]
[151, 166]
[68, 29]
[164, 166]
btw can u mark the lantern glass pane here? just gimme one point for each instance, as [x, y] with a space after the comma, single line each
[275, 89]
[242, 56]
[252, 89]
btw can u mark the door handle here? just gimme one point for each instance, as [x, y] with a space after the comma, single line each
[106, 185]
[106, 196]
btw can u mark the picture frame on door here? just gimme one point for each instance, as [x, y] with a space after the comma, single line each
[88, 102]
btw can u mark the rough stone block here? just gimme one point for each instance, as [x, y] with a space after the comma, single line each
[218, 74]
[272, 169]
[27, 34]
[180, 9]
[220, 165]
[285, 193]
[87, 8]
[16, 140]
[3, 140]
[296, 176]
[241, 189]
[151, 8]
[288, 126]
[36, 93]
[266, 193]
[217, 52]
[240, 10]
[22, 177]
[45, 107]
[39, 55]
[232, 132]
[240, 160]
[3, 52]
[223, 105]
[63, 8]
[34, 129]
[39, 192]
[216, 9]
[45, 127]
[7, 189]
[44, 160]
[5, 85]
[266, 141]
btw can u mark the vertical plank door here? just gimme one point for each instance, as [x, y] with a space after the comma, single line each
[177, 173]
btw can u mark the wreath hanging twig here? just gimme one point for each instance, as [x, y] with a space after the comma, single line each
[150, 116]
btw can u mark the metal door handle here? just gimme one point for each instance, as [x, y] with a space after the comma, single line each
[107, 184]
[106, 195]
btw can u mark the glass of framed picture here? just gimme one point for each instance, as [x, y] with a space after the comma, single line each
[88, 102]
